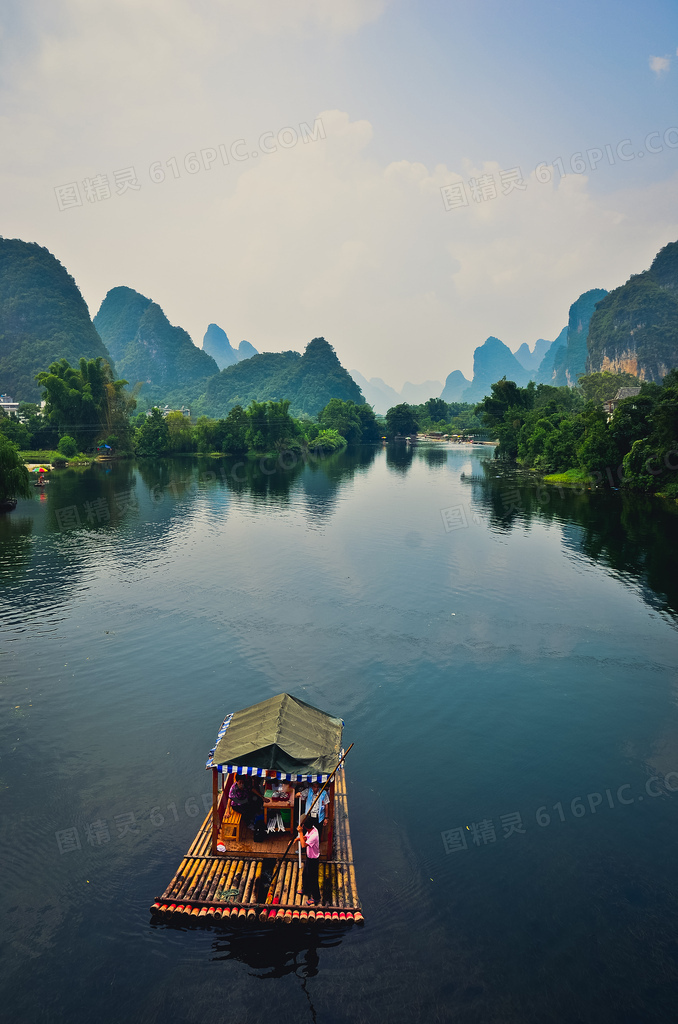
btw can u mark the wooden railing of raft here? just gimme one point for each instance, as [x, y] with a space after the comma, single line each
[208, 888]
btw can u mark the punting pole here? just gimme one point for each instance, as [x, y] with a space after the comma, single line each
[299, 823]
[215, 811]
[293, 839]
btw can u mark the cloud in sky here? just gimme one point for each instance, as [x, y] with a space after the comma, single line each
[660, 64]
[322, 239]
[368, 255]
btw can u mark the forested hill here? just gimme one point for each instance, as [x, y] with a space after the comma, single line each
[43, 318]
[149, 349]
[308, 381]
[635, 328]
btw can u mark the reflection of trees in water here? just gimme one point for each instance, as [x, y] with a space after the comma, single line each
[104, 497]
[435, 455]
[399, 456]
[100, 494]
[15, 546]
[271, 479]
[632, 534]
[264, 478]
[158, 474]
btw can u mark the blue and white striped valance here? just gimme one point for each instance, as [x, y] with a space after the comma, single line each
[241, 769]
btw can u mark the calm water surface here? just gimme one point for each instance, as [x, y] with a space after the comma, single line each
[504, 659]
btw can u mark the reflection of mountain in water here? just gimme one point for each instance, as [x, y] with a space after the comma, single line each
[627, 532]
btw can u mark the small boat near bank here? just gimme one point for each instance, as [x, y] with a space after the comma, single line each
[233, 873]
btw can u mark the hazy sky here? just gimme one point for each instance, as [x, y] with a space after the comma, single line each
[347, 234]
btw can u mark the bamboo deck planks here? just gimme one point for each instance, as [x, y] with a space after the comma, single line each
[227, 886]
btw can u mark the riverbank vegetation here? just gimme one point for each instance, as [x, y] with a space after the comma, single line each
[432, 415]
[86, 408]
[569, 431]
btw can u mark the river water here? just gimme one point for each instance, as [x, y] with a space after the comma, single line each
[503, 656]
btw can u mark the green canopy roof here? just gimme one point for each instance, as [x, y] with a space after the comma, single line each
[282, 734]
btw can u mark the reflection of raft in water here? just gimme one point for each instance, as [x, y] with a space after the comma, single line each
[226, 872]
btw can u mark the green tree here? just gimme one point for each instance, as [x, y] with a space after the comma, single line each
[14, 479]
[651, 464]
[67, 446]
[342, 417]
[270, 427]
[233, 431]
[328, 441]
[596, 451]
[600, 387]
[371, 429]
[87, 402]
[206, 435]
[180, 432]
[400, 419]
[437, 410]
[153, 437]
[15, 431]
[44, 435]
[505, 395]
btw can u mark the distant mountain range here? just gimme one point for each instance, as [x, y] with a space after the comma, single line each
[531, 360]
[455, 385]
[378, 394]
[217, 345]
[549, 362]
[43, 318]
[382, 396]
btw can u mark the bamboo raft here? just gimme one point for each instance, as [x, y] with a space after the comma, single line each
[221, 887]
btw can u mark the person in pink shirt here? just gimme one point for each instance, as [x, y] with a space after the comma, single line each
[309, 838]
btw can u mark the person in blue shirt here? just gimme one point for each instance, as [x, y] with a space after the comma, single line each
[317, 816]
